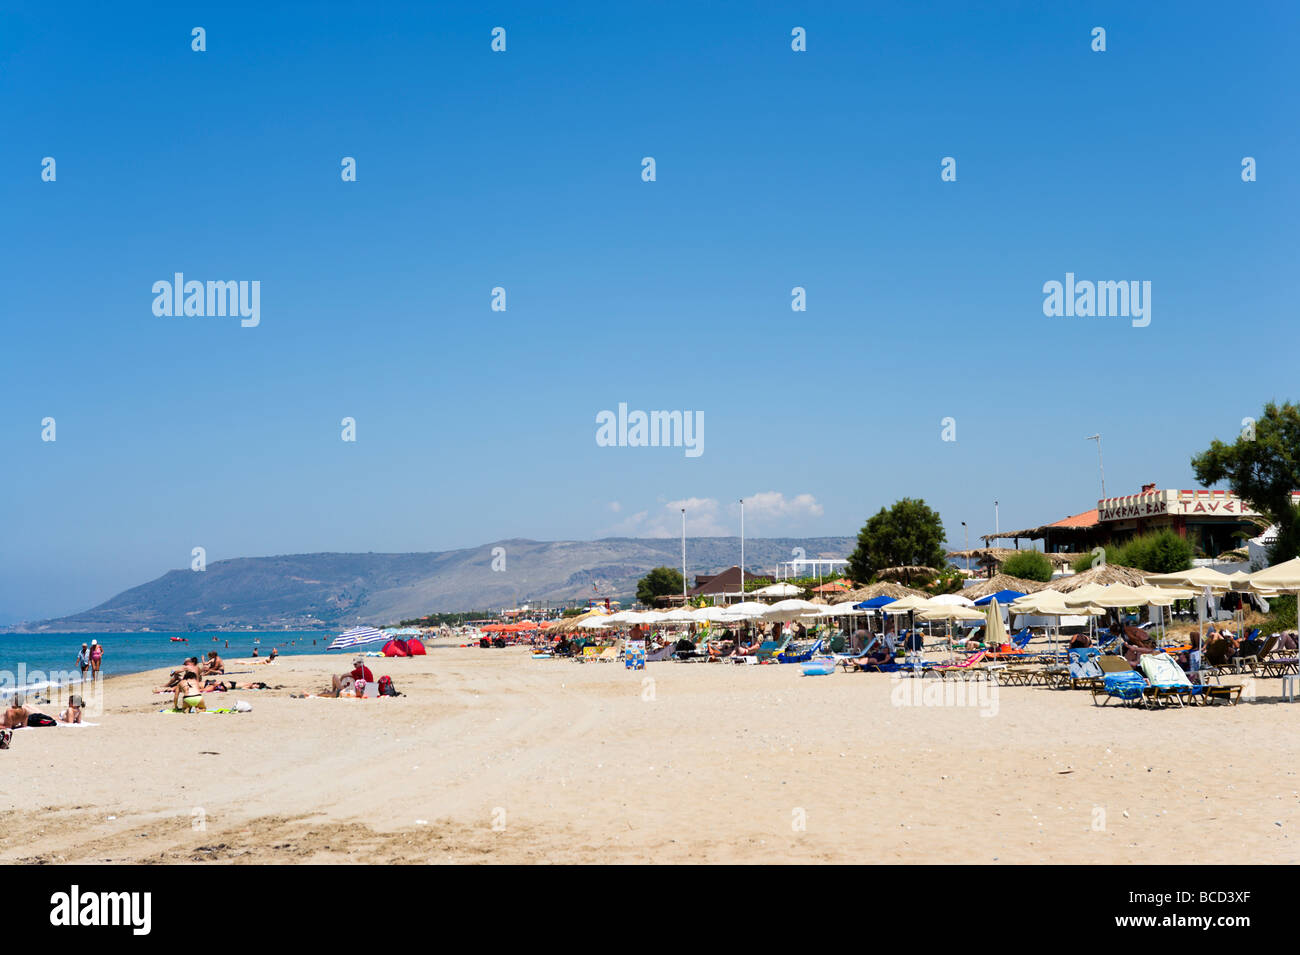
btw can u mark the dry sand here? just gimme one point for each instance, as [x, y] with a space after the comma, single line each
[495, 757]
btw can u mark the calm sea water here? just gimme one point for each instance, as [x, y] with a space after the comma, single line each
[45, 653]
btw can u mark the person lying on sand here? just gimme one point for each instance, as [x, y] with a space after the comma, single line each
[73, 713]
[15, 714]
[189, 696]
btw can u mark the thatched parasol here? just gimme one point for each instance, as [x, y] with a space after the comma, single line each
[1002, 582]
[883, 588]
[996, 555]
[1105, 574]
[906, 572]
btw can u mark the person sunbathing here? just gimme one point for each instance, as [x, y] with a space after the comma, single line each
[189, 696]
[73, 713]
[215, 664]
[721, 648]
[15, 714]
[747, 650]
[1219, 649]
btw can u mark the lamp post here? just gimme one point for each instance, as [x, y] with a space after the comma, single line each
[966, 531]
[1100, 464]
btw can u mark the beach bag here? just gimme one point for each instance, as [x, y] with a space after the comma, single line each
[243, 706]
[40, 719]
[386, 687]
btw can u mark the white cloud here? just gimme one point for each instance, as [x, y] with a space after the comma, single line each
[766, 512]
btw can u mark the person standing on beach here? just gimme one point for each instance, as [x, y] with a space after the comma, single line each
[96, 657]
[83, 661]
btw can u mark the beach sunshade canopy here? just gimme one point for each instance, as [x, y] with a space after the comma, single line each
[953, 600]
[790, 609]
[1105, 574]
[905, 605]
[1050, 603]
[883, 588]
[1198, 578]
[710, 615]
[596, 623]
[949, 612]
[1001, 597]
[996, 633]
[778, 590]
[875, 603]
[1165, 596]
[1116, 595]
[680, 615]
[1000, 583]
[1280, 578]
[750, 609]
[356, 637]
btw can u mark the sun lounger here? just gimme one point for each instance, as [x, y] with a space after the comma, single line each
[1253, 661]
[663, 653]
[943, 670]
[793, 655]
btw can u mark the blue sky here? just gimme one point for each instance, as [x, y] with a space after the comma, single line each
[522, 170]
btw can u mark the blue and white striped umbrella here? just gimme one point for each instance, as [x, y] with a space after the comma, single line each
[357, 636]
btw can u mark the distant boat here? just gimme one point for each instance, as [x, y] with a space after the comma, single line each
[180, 640]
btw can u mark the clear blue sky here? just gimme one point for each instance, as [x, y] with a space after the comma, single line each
[522, 170]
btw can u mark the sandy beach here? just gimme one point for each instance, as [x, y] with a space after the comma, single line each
[492, 756]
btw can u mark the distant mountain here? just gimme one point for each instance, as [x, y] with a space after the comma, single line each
[307, 591]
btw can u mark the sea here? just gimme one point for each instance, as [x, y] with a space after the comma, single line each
[31, 661]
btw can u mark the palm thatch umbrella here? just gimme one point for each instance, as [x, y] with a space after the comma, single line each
[883, 588]
[994, 556]
[907, 572]
[999, 582]
[1105, 574]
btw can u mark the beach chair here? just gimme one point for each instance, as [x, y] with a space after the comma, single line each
[943, 670]
[792, 654]
[663, 653]
[1253, 661]
[1167, 680]
[1127, 687]
[770, 649]
[1083, 669]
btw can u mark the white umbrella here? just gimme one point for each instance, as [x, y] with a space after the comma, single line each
[777, 590]
[785, 610]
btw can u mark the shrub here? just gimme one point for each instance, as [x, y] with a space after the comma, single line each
[1028, 565]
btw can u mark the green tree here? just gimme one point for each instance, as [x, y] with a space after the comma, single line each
[658, 583]
[908, 534]
[1263, 467]
[1028, 565]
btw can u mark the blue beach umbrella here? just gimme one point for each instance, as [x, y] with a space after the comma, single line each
[1002, 597]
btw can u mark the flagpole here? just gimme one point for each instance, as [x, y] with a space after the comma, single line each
[742, 548]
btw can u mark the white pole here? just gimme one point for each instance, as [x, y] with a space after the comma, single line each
[742, 548]
[683, 558]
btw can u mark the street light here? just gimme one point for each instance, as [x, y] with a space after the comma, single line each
[966, 531]
[1101, 467]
